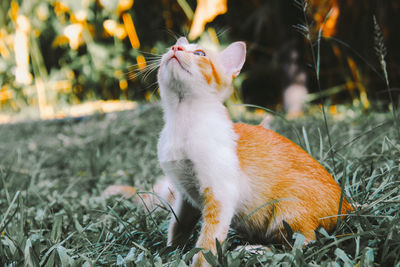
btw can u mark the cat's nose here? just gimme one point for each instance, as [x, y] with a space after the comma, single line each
[177, 48]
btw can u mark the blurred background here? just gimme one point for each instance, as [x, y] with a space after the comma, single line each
[62, 58]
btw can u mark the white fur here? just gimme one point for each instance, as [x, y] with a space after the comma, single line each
[198, 129]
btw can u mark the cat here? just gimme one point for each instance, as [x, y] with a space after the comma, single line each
[227, 173]
[232, 174]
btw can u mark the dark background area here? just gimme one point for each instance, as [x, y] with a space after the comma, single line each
[268, 28]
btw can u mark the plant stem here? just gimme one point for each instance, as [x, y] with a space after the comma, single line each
[316, 59]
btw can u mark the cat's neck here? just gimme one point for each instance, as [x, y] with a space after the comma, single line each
[181, 103]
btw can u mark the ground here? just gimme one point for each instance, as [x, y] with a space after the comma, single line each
[52, 175]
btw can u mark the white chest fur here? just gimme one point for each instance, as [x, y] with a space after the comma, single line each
[203, 135]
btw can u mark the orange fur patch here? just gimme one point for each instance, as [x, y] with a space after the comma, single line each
[206, 76]
[211, 212]
[204, 65]
[209, 71]
[212, 207]
[215, 74]
[280, 170]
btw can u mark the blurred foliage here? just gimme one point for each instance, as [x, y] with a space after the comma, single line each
[76, 50]
[61, 52]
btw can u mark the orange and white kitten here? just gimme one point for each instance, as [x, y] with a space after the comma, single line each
[232, 174]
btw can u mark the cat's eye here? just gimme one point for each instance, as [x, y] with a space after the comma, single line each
[199, 53]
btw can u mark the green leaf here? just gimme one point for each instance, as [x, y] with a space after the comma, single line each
[31, 259]
[306, 140]
[210, 258]
[233, 259]
[220, 256]
[9, 243]
[180, 263]
[120, 260]
[51, 260]
[343, 256]
[65, 259]
[299, 241]
[130, 256]
[56, 231]
[78, 226]
[367, 257]
[191, 253]
[157, 262]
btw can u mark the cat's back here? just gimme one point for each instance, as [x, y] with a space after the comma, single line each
[269, 152]
[282, 167]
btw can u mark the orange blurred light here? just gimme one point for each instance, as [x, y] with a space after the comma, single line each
[148, 96]
[110, 26]
[141, 61]
[60, 8]
[5, 94]
[4, 52]
[13, 13]
[124, 5]
[333, 109]
[123, 84]
[330, 25]
[206, 11]
[130, 29]
[120, 32]
[60, 40]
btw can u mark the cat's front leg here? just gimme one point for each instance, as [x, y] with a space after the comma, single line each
[217, 214]
[182, 222]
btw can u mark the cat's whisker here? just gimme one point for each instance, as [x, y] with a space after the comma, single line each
[155, 88]
[138, 67]
[143, 69]
[135, 72]
[152, 54]
[146, 71]
[148, 63]
[147, 74]
[149, 53]
[173, 34]
[151, 85]
[222, 32]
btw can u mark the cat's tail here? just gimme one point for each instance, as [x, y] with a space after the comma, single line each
[163, 194]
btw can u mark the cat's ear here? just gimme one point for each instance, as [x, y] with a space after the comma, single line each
[233, 57]
[182, 41]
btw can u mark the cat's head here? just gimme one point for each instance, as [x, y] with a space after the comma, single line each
[190, 70]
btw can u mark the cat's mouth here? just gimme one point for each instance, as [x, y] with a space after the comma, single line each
[174, 57]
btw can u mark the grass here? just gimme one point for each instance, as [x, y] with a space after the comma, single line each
[52, 175]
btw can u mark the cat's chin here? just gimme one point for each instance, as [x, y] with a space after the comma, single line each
[175, 66]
